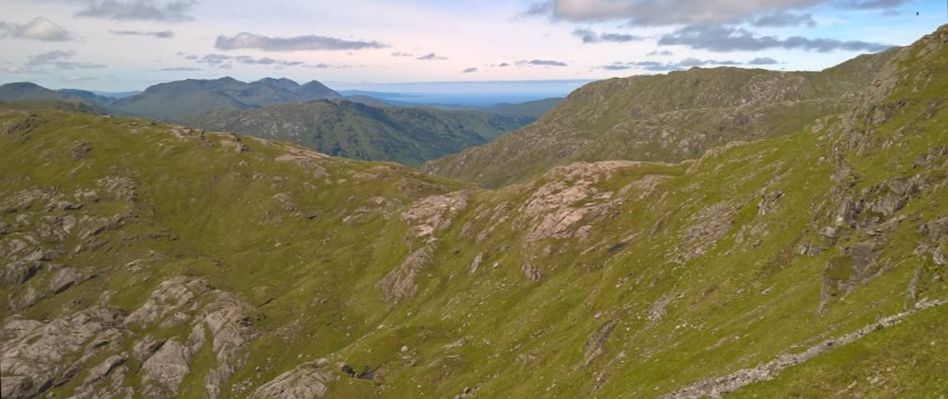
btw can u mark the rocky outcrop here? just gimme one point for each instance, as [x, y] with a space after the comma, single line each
[306, 381]
[707, 227]
[40, 355]
[183, 300]
[230, 323]
[164, 371]
[596, 342]
[430, 215]
[170, 303]
[556, 208]
[401, 283]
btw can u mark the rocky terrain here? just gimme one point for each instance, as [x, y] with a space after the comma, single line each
[142, 259]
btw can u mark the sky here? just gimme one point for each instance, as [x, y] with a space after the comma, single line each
[125, 45]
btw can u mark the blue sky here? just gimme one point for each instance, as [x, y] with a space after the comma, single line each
[116, 45]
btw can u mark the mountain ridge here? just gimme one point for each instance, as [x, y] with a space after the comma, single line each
[667, 117]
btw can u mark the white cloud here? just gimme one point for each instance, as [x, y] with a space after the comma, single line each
[37, 29]
[247, 40]
[139, 10]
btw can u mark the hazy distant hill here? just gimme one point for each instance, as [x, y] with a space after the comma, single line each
[26, 91]
[181, 100]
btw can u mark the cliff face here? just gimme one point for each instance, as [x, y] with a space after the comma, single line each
[152, 260]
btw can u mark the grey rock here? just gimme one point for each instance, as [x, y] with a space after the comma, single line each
[38, 356]
[164, 371]
[99, 371]
[400, 283]
[306, 381]
[64, 278]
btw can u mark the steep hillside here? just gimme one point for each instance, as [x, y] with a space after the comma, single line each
[158, 261]
[180, 100]
[360, 131]
[668, 117]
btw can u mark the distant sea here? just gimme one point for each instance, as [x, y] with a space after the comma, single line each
[471, 94]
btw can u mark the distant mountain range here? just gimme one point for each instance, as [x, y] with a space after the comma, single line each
[361, 126]
[185, 99]
[362, 131]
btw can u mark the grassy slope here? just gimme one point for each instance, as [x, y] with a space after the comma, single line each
[746, 298]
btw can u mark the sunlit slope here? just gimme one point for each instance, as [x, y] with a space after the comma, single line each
[152, 259]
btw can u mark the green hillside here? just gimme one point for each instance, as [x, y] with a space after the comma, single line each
[150, 260]
[354, 130]
[670, 117]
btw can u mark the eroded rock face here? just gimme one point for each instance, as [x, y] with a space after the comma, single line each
[708, 226]
[164, 371]
[556, 208]
[430, 215]
[182, 300]
[306, 381]
[400, 283]
[38, 356]
[229, 321]
[170, 303]
[596, 342]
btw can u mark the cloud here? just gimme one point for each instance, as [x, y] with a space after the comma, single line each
[541, 63]
[324, 66]
[538, 9]
[432, 57]
[661, 53]
[219, 60]
[165, 34]
[685, 12]
[52, 60]
[37, 29]
[224, 61]
[656, 66]
[722, 39]
[181, 69]
[140, 10]
[401, 54]
[469, 70]
[664, 12]
[763, 61]
[589, 36]
[784, 19]
[874, 4]
[79, 78]
[296, 43]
